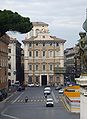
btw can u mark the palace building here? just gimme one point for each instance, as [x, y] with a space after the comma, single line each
[43, 53]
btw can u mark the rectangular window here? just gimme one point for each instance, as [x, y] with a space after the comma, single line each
[43, 53]
[9, 50]
[9, 66]
[30, 54]
[30, 67]
[36, 44]
[57, 44]
[36, 53]
[51, 53]
[50, 44]
[51, 67]
[43, 44]
[9, 73]
[43, 67]
[37, 79]
[30, 79]
[30, 44]
[36, 67]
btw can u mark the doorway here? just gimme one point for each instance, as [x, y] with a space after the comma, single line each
[44, 80]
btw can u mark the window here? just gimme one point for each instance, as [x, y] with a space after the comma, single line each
[37, 79]
[37, 67]
[9, 73]
[31, 32]
[43, 53]
[57, 44]
[30, 54]
[9, 66]
[9, 50]
[51, 67]
[50, 44]
[43, 67]
[30, 67]
[30, 44]
[9, 57]
[43, 36]
[57, 53]
[30, 79]
[51, 53]
[37, 31]
[36, 44]
[43, 44]
[36, 53]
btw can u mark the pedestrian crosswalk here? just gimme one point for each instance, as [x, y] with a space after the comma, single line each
[31, 100]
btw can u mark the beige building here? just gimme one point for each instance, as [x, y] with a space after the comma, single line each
[4, 41]
[42, 53]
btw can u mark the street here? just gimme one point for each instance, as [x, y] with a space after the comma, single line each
[16, 108]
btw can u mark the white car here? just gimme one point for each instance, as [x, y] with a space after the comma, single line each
[37, 85]
[61, 91]
[47, 90]
[49, 102]
[85, 93]
[31, 85]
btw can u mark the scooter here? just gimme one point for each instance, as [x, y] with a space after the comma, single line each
[26, 99]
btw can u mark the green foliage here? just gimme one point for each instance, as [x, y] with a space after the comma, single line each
[10, 21]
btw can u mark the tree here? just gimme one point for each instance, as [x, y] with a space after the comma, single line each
[10, 21]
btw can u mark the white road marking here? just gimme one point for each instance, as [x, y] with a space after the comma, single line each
[6, 115]
[54, 97]
[17, 98]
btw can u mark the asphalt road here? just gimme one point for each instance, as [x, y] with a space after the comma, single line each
[16, 108]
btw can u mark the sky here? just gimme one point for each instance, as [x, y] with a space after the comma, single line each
[65, 17]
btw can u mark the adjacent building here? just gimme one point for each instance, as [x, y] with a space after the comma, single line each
[4, 41]
[42, 54]
[14, 61]
[72, 63]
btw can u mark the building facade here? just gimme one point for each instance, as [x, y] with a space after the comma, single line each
[4, 41]
[72, 63]
[14, 61]
[42, 53]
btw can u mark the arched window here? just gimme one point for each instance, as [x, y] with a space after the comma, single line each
[37, 31]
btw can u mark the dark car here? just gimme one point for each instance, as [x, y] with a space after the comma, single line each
[21, 88]
[4, 93]
[1, 96]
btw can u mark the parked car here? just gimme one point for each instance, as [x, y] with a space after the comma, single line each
[21, 88]
[1, 96]
[85, 93]
[58, 88]
[30, 85]
[17, 83]
[4, 93]
[49, 102]
[61, 91]
[37, 85]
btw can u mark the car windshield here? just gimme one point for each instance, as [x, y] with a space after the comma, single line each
[50, 100]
